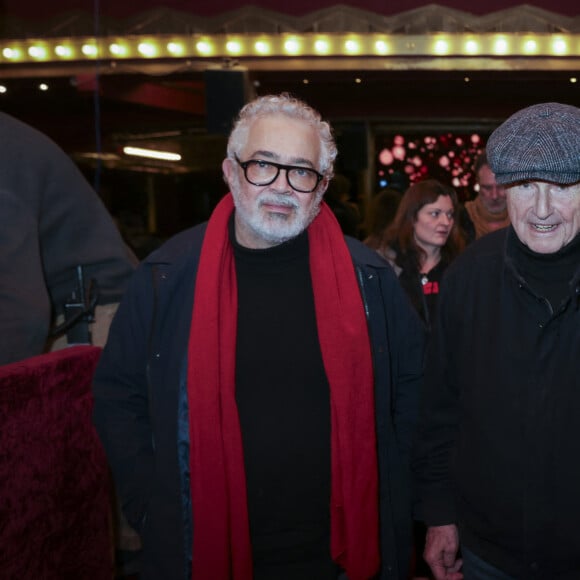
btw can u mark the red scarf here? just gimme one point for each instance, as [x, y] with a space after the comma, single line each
[221, 536]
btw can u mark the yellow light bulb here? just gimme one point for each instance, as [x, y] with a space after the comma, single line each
[471, 47]
[262, 47]
[176, 48]
[321, 46]
[233, 47]
[292, 46]
[37, 52]
[203, 47]
[147, 49]
[381, 47]
[63, 51]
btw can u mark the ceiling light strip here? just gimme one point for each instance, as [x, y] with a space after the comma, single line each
[288, 45]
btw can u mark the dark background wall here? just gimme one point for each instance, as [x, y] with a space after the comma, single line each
[39, 9]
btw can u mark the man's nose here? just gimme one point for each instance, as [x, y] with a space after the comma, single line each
[281, 182]
[543, 203]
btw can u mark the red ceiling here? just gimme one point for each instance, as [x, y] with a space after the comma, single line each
[41, 9]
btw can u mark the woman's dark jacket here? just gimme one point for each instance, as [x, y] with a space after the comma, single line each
[138, 381]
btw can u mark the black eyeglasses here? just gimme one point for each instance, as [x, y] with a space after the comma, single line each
[260, 172]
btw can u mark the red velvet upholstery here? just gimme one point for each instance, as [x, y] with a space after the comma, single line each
[54, 485]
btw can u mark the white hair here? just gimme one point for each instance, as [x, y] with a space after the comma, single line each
[284, 104]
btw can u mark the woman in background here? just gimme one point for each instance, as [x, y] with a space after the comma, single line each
[421, 242]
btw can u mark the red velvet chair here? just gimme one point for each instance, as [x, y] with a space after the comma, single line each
[54, 483]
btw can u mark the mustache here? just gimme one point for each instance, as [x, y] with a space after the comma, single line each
[278, 199]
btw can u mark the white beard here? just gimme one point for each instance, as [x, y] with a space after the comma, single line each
[275, 228]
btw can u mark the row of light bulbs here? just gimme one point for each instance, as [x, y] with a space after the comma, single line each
[310, 45]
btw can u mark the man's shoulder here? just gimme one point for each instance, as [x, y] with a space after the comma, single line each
[179, 246]
[362, 255]
[480, 255]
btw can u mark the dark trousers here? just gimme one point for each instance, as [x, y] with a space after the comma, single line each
[474, 568]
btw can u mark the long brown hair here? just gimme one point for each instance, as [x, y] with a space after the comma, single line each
[400, 234]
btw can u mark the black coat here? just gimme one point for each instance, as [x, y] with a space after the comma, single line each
[136, 400]
[499, 431]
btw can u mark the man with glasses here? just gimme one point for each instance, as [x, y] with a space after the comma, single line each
[258, 392]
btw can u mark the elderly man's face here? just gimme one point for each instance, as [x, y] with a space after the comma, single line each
[545, 216]
[492, 195]
[269, 215]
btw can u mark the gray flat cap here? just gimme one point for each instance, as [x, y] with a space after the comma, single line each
[541, 142]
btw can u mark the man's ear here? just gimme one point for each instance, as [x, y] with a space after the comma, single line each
[323, 185]
[228, 169]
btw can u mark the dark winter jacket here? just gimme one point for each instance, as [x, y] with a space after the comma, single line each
[499, 430]
[138, 382]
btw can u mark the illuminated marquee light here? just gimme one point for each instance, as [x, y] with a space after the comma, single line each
[322, 46]
[262, 47]
[307, 45]
[560, 46]
[530, 46]
[234, 47]
[147, 49]
[119, 50]
[38, 52]
[441, 47]
[471, 46]
[176, 48]
[11, 53]
[500, 46]
[204, 47]
[292, 46]
[63, 51]
[352, 46]
[90, 50]
[381, 47]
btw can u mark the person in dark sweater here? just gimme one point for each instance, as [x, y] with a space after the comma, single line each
[258, 393]
[52, 223]
[499, 430]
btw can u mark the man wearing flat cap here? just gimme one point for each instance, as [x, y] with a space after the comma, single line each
[497, 452]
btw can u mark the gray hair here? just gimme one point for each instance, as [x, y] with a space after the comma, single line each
[293, 108]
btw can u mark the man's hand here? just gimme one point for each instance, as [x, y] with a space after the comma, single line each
[441, 547]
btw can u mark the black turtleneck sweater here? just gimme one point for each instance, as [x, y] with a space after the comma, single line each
[282, 395]
[549, 275]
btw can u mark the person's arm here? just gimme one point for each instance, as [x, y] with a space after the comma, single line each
[408, 343]
[76, 229]
[434, 442]
[24, 301]
[121, 399]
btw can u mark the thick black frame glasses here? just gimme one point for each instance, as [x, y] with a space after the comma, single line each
[290, 175]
